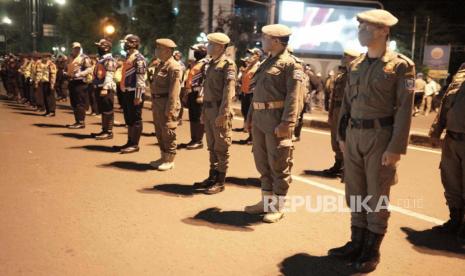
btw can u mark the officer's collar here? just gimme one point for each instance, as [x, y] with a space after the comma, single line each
[134, 53]
[388, 56]
[214, 61]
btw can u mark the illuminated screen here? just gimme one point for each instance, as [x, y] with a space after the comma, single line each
[320, 28]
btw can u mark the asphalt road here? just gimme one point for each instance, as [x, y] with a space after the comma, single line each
[69, 205]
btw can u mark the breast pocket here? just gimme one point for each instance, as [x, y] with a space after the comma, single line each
[353, 81]
[274, 76]
[161, 79]
[384, 82]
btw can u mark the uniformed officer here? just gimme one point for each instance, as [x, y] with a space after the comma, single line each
[133, 88]
[44, 81]
[193, 87]
[377, 106]
[105, 87]
[333, 112]
[303, 106]
[61, 64]
[272, 119]
[166, 103]
[37, 101]
[218, 90]
[451, 118]
[13, 87]
[253, 61]
[78, 70]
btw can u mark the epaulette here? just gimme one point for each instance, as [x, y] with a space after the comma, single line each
[409, 61]
[298, 60]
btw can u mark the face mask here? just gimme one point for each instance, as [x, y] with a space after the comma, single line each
[210, 49]
[265, 45]
[157, 53]
[126, 47]
[198, 55]
[101, 51]
[365, 37]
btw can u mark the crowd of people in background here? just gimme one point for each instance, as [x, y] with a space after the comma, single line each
[369, 99]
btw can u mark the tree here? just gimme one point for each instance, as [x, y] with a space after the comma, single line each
[188, 24]
[155, 19]
[82, 21]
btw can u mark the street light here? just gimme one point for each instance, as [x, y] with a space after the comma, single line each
[393, 45]
[60, 2]
[109, 29]
[6, 20]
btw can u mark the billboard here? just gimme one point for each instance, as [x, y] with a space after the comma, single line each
[322, 29]
[436, 58]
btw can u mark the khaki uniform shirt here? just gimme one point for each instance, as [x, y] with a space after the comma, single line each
[452, 112]
[279, 78]
[381, 89]
[337, 93]
[220, 84]
[167, 80]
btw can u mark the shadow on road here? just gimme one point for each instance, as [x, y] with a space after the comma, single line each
[174, 190]
[303, 264]
[49, 125]
[29, 113]
[128, 165]
[100, 148]
[244, 182]
[224, 220]
[148, 134]
[19, 108]
[318, 174]
[78, 136]
[64, 107]
[430, 242]
[240, 142]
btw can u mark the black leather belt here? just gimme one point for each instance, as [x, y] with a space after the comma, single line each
[371, 123]
[337, 104]
[457, 136]
[158, 96]
[211, 104]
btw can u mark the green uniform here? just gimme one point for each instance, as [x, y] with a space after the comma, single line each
[379, 99]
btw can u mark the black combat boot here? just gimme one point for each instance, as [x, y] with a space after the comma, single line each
[218, 186]
[369, 258]
[135, 137]
[351, 250]
[77, 125]
[453, 224]
[207, 182]
[461, 234]
[107, 125]
[335, 170]
[197, 136]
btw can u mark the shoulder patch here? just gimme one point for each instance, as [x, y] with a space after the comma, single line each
[231, 73]
[298, 74]
[410, 84]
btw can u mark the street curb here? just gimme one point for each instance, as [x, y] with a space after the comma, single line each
[417, 139]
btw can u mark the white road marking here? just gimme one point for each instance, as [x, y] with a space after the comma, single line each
[393, 208]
